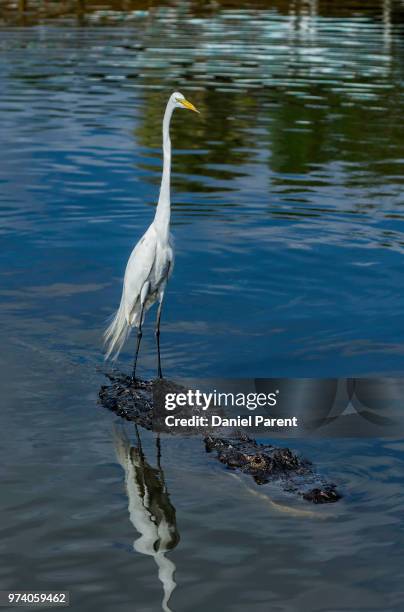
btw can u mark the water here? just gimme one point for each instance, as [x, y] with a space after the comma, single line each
[288, 221]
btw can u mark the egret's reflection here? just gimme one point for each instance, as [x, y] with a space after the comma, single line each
[150, 509]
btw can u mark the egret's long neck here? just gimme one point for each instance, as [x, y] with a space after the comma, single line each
[162, 217]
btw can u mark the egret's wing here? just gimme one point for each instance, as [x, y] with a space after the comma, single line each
[138, 269]
[171, 255]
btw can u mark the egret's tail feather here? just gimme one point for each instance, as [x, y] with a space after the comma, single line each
[116, 333]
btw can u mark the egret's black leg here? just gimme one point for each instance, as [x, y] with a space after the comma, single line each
[139, 337]
[159, 372]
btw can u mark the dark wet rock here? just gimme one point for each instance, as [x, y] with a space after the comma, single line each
[141, 401]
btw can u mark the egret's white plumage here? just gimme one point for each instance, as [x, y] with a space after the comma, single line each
[151, 261]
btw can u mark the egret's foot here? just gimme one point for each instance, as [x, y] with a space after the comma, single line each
[140, 383]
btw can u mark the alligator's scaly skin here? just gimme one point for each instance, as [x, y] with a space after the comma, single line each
[266, 463]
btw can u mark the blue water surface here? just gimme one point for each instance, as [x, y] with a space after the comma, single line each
[286, 190]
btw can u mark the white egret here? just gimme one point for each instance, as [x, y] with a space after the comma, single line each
[151, 261]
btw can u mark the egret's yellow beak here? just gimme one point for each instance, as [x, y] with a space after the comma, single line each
[188, 105]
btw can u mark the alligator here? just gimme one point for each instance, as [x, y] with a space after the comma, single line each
[235, 448]
[266, 463]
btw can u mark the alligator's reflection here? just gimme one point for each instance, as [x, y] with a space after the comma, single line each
[150, 509]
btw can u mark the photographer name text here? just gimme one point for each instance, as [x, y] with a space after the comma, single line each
[215, 420]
